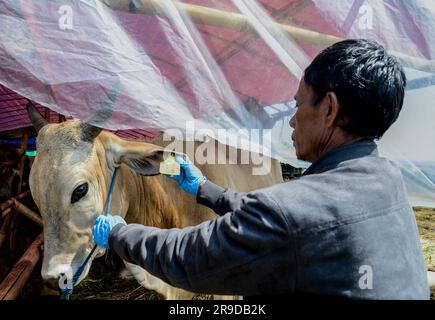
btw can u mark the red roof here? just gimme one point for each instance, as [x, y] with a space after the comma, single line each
[13, 115]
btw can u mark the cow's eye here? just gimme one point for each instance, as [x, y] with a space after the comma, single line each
[79, 192]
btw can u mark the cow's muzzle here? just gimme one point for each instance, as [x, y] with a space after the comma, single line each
[58, 278]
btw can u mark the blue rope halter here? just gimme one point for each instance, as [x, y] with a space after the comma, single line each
[67, 292]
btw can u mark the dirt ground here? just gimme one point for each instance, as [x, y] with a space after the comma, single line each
[104, 283]
[426, 225]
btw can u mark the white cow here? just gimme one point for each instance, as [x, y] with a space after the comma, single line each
[69, 181]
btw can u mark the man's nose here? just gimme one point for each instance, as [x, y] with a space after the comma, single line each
[292, 122]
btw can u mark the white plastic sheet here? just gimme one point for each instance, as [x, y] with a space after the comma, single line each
[231, 64]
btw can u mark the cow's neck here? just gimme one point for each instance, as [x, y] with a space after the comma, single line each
[139, 199]
[147, 200]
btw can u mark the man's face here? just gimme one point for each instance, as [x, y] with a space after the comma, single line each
[308, 124]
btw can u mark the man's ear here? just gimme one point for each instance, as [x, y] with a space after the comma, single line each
[144, 158]
[333, 110]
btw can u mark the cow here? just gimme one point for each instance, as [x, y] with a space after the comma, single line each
[69, 182]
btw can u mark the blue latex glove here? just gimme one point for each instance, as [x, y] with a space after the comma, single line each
[190, 176]
[103, 226]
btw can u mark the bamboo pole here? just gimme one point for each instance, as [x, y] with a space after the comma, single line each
[11, 202]
[14, 282]
[28, 213]
[238, 22]
[25, 211]
[7, 212]
[218, 18]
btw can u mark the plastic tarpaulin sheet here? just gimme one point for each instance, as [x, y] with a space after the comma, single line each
[214, 66]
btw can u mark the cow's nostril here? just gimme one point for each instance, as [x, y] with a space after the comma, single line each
[57, 283]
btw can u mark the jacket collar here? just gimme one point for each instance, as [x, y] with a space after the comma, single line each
[338, 155]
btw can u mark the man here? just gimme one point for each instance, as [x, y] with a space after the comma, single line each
[344, 229]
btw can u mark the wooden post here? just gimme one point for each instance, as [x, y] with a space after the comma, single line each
[239, 23]
[12, 285]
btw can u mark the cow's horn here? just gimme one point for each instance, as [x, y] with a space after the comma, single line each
[37, 120]
[90, 132]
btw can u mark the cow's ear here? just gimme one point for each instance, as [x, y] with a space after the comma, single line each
[142, 157]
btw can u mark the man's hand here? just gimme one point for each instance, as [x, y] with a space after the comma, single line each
[190, 177]
[103, 226]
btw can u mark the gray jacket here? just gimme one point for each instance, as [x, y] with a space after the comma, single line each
[344, 229]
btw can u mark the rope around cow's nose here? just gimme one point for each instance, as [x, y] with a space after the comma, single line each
[67, 292]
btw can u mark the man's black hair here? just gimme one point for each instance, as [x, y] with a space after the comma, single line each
[368, 82]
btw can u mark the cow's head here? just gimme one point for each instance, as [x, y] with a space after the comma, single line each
[69, 181]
